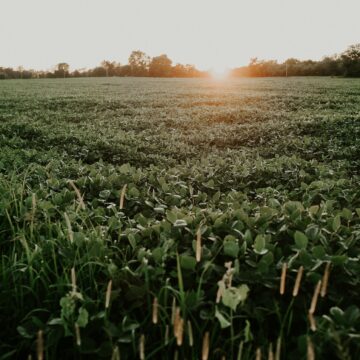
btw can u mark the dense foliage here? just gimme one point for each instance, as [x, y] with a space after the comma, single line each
[344, 64]
[186, 201]
[141, 65]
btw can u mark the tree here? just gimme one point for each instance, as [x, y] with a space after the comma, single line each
[111, 67]
[291, 65]
[62, 70]
[329, 66]
[20, 69]
[160, 66]
[98, 72]
[107, 65]
[351, 60]
[139, 63]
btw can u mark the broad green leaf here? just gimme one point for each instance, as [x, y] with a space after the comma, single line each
[158, 254]
[165, 187]
[314, 209]
[247, 331]
[352, 315]
[274, 203]
[337, 315]
[233, 296]
[134, 192]
[301, 240]
[180, 223]
[305, 258]
[231, 248]
[259, 245]
[312, 232]
[124, 169]
[24, 332]
[83, 317]
[319, 251]
[339, 259]
[171, 216]
[346, 214]
[248, 237]
[187, 262]
[268, 259]
[105, 194]
[56, 321]
[67, 304]
[216, 196]
[132, 240]
[210, 184]
[224, 323]
[336, 223]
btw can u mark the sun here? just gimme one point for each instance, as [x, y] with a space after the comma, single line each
[219, 73]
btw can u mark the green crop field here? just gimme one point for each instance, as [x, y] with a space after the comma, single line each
[180, 219]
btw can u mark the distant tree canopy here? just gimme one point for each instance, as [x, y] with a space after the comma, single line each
[160, 66]
[140, 64]
[350, 60]
[345, 64]
[62, 70]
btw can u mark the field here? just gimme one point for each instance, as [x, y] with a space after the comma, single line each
[161, 219]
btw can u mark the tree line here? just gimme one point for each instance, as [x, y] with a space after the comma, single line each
[345, 64]
[139, 64]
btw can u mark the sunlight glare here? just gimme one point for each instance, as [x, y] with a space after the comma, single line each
[219, 73]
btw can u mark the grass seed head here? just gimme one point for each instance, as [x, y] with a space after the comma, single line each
[77, 334]
[108, 294]
[205, 346]
[122, 197]
[69, 228]
[198, 245]
[142, 347]
[271, 352]
[283, 279]
[173, 311]
[312, 321]
[73, 279]
[167, 330]
[219, 292]
[278, 349]
[325, 279]
[176, 321]
[155, 307]
[33, 203]
[78, 194]
[115, 354]
[180, 332]
[315, 298]
[310, 350]
[298, 281]
[40, 345]
[190, 333]
[258, 354]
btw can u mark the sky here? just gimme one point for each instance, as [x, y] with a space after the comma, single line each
[210, 34]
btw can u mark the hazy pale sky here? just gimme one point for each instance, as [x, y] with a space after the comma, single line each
[208, 33]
